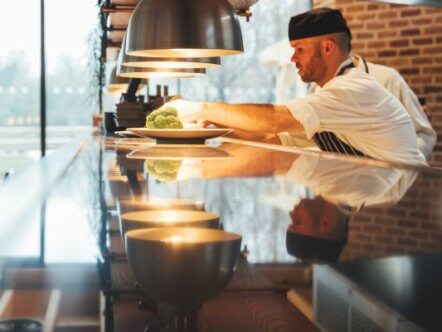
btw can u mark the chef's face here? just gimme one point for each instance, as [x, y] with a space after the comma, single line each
[308, 59]
[317, 217]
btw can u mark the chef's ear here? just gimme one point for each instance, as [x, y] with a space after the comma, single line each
[328, 47]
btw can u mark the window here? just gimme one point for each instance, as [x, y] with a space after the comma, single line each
[19, 85]
[71, 95]
[71, 98]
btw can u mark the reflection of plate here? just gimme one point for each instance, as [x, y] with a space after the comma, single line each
[173, 152]
[131, 144]
[180, 134]
[125, 133]
[135, 141]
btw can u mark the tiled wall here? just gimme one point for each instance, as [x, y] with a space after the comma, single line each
[408, 38]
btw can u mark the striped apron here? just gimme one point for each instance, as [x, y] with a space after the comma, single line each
[328, 141]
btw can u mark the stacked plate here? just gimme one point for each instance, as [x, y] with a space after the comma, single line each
[131, 114]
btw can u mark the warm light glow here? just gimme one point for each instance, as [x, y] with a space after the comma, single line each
[117, 89]
[184, 52]
[169, 64]
[170, 216]
[182, 235]
[158, 74]
[119, 178]
[178, 239]
[157, 203]
[117, 86]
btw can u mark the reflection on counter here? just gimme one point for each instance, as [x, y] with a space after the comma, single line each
[295, 211]
[191, 265]
[167, 218]
[290, 204]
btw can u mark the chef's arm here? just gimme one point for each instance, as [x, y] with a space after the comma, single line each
[254, 136]
[262, 118]
[253, 118]
[243, 161]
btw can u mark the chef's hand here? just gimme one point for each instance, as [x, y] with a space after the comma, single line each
[188, 111]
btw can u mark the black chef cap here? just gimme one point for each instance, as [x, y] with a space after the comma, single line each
[317, 22]
[313, 249]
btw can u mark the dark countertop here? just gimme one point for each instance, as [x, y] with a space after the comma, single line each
[411, 285]
[292, 207]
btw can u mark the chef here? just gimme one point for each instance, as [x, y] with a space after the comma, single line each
[349, 113]
[390, 79]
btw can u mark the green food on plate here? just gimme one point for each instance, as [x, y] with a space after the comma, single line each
[164, 118]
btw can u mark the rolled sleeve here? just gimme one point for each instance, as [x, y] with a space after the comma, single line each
[306, 114]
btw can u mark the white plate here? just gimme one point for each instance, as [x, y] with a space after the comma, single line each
[177, 134]
[178, 152]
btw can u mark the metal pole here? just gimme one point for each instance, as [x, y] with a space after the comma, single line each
[103, 18]
[42, 81]
[42, 234]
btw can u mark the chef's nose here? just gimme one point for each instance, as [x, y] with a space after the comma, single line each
[294, 57]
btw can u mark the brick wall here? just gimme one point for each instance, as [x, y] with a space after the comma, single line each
[406, 227]
[408, 38]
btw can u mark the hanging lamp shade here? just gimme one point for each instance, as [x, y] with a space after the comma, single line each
[152, 62]
[166, 70]
[161, 62]
[116, 82]
[184, 28]
[135, 72]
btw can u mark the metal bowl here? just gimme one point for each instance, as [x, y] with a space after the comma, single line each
[182, 266]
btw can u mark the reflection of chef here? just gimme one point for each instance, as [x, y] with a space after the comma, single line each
[243, 161]
[338, 181]
[318, 230]
[319, 225]
[351, 184]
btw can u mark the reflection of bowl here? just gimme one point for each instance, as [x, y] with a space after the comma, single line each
[167, 218]
[124, 186]
[182, 266]
[154, 203]
[128, 164]
[119, 186]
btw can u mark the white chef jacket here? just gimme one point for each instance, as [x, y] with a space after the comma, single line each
[390, 79]
[361, 113]
[351, 184]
